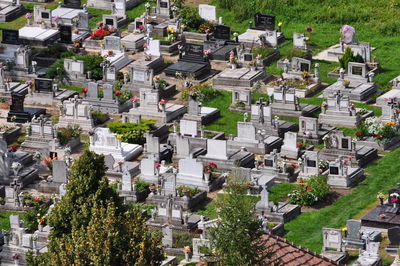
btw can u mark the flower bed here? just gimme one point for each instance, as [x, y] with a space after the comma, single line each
[373, 133]
[68, 134]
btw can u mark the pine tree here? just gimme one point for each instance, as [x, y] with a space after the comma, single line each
[91, 225]
[237, 238]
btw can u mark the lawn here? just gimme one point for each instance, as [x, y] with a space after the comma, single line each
[5, 219]
[228, 120]
[306, 229]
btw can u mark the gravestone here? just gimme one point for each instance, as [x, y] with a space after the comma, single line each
[289, 147]
[263, 204]
[109, 161]
[194, 49]
[65, 34]
[43, 85]
[188, 127]
[17, 102]
[126, 181]
[75, 4]
[332, 239]
[154, 48]
[394, 236]
[264, 21]
[15, 222]
[10, 36]
[222, 32]
[108, 91]
[217, 149]
[167, 239]
[112, 43]
[93, 90]
[208, 12]
[60, 171]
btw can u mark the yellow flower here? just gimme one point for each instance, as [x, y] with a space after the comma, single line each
[120, 136]
[390, 123]
[280, 24]
[344, 229]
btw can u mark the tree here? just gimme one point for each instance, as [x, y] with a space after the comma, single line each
[91, 225]
[347, 57]
[237, 238]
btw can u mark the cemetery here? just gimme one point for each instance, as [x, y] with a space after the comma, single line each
[167, 122]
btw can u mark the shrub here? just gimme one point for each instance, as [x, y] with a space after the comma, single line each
[123, 95]
[347, 57]
[132, 132]
[190, 191]
[203, 92]
[99, 117]
[68, 133]
[206, 26]
[310, 191]
[294, 52]
[141, 185]
[191, 17]
[264, 52]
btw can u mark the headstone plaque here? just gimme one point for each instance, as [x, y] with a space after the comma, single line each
[65, 34]
[194, 49]
[109, 22]
[45, 85]
[10, 36]
[264, 21]
[248, 57]
[163, 4]
[72, 4]
[222, 32]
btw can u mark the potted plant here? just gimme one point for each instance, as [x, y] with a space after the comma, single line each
[16, 257]
[381, 197]
[134, 100]
[253, 65]
[208, 170]
[324, 106]
[345, 83]
[41, 223]
[233, 60]
[163, 104]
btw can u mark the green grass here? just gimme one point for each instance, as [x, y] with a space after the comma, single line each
[280, 191]
[5, 219]
[306, 229]
[96, 15]
[228, 120]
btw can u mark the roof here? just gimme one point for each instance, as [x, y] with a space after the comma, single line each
[288, 254]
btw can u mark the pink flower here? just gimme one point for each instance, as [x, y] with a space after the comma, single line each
[118, 93]
[207, 31]
[163, 102]
[145, 45]
[207, 52]
[141, 27]
[157, 165]
[180, 47]
[134, 99]
[28, 15]
[84, 90]
[394, 200]
[56, 18]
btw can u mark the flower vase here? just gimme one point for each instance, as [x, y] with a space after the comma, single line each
[28, 22]
[253, 68]
[381, 200]
[16, 262]
[174, 170]
[394, 205]
[324, 109]
[40, 227]
[207, 176]
[163, 108]
[233, 66]
[187, 256]
[135, 104]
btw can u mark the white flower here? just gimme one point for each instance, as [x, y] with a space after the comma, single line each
[15, 165]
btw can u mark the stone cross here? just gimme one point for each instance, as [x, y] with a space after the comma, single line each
[392, 104]
[338, 96]
[2, 75]
[261, 103]
[284, 88]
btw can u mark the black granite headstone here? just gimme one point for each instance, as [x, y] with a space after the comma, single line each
[345, 143]
[65, 34]
[394, 235]
[304, 67]
[222, 32]
[45, 15]
[45, 85]
[264, 21]
[194, 49]
[10, 36]
[72, 4]
[17, 102]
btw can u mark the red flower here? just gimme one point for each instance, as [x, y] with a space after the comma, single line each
[84, 90]
[99, 34]
[141, 27]
[134, 99]
[157, 165]
[118, 93]
[213, 165]
[358, 134]
[163, 102]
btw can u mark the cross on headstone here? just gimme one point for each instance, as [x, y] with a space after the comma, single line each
[284, 89]
[392, 104]
[261, 103]
[338, 97]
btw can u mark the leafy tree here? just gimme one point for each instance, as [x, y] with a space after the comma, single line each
[237, 238]
[347, 57]
[91, 225]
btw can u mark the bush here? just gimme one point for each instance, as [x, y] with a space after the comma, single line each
[38, 209]
[132, 132]
[123, 95]
[264, 52]
[185, 189]
[203, 92]
[141, 185]
[99, 117]
[310, 191]
[92, 63]
[294, 52]
[68, 133]
[206, 26]
[191, 18]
